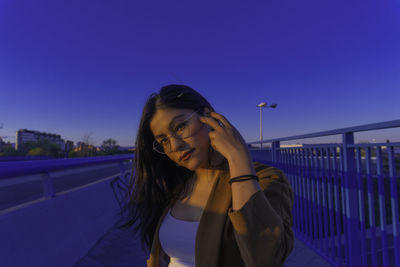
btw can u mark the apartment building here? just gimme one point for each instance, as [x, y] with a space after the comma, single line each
[24, 136]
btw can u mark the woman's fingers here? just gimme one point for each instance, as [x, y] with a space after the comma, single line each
[221, 118]
[211, 122]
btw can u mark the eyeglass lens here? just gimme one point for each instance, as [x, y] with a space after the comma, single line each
[182, 130]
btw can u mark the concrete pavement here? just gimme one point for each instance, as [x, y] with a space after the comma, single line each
[121, 248]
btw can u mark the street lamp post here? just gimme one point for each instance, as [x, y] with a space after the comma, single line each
[263, 105]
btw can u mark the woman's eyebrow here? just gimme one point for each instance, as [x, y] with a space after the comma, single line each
[170, 124]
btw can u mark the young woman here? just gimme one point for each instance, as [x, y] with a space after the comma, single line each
[197, 198]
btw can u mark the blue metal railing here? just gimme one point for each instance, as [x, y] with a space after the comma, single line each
[20, 168]
[340, 191]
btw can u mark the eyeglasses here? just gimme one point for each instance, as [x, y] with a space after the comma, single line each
[182, 130]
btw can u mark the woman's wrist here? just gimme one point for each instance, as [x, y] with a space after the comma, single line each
[240, 164]
[242, 178]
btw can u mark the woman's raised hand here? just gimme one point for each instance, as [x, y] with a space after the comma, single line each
[225, 138]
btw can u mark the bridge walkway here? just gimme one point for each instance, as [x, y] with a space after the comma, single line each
[121, 248]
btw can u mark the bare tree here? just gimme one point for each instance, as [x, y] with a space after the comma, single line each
[88, 139]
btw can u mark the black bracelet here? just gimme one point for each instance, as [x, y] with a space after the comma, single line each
[243, 178]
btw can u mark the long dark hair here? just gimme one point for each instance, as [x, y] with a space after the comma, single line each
[157, 180]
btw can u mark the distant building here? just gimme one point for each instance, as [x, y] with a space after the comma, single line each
[24, 136]
[85, 149]
[292, 145]
[80, 146]
[69, 146]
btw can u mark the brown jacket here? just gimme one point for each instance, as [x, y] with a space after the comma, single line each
[258, 234]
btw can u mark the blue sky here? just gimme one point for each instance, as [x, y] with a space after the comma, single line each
[76, 67]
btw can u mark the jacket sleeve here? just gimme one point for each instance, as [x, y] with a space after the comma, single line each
[263, 225]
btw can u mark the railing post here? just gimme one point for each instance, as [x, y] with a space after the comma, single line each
[351, 200]
[393, 200]
[275, 153]
[48, 186]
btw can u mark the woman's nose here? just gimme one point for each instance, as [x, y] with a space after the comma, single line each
[176, 144]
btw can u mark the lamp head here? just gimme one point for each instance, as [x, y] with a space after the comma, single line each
[262, 105]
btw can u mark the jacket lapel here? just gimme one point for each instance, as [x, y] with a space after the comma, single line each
[210, 230]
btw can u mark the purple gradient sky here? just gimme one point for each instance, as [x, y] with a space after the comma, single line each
[71, 67]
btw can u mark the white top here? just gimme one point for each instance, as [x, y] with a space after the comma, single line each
[177, 238]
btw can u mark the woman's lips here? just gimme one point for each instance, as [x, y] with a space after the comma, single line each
[186, 155]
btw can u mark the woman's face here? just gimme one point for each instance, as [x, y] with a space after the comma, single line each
[168, 120]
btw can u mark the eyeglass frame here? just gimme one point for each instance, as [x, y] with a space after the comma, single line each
[178, 137]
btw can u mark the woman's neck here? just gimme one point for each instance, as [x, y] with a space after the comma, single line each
[207, 175]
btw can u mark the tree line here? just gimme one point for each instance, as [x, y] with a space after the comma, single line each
[48, 149]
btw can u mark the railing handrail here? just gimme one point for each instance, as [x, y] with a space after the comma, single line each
[360, 128]
[18, 168]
